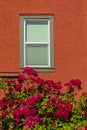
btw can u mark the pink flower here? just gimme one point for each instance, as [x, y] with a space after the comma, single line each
[84, 94]
[11, 103]
[64, 110]
[22, 78]
[48, 113]
[37, 80]
[37, 117]
[9, 82]
[29, 123]
[53, 98]
[42, 121]
[50, 83]
[17, 121]
[48, 90]
[75, 82]
[57, 85]
[53, 123]
[18, 87]
[66, 115]
[85, 127]
[72, 83]
[4, 113]
[33, 100]
[22, 102]
[23, 112]
[16, 113]
[3, 103]
[70, 86]
[29, 111]
[85, 113]
[30, 71]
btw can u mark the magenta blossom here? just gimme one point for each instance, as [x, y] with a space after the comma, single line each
[53, 123]
[85, 113]
[75, 82]
[9, 82]
[37, 117]
[5, 112]
[23, 111]
[3, 103]
[48, 90]
[53, 98]
[30, 71]
[16, 113]
[50, 83]
[22, 78]
[18, 87]
[33, 100]
[84, 93]
[29, 111]
[64, 110]
[72, 83]
[57, 85]
[85, 127]
[11, 103]
[70, 86]
[29, 123]
[37, 80]
[22, 102]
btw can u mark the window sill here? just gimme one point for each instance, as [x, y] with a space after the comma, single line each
[43, 69]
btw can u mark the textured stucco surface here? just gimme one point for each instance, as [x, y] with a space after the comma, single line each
[70, 36]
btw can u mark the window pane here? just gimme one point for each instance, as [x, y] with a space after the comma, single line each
[36, 55]
[36, 31]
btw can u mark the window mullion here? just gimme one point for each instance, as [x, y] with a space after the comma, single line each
[36, 43]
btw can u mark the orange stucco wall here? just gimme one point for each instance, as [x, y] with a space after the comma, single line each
[70, 36]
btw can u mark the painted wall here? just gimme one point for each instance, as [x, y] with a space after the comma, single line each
[70, 36]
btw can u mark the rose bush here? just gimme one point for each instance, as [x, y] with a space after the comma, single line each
[31, 103]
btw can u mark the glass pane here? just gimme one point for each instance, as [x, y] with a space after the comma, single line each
[36, 55]
[36, 31]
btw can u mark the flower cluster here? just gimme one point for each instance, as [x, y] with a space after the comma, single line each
[24, 112]
[73, 83]
[30, 71]
[64, 110]
[34, 103]
[85, 113]
[33, 100]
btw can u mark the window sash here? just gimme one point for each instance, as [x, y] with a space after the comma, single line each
[36, 30]
[36, 44]
[36, 51]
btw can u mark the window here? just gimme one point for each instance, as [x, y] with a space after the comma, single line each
[36, 36]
